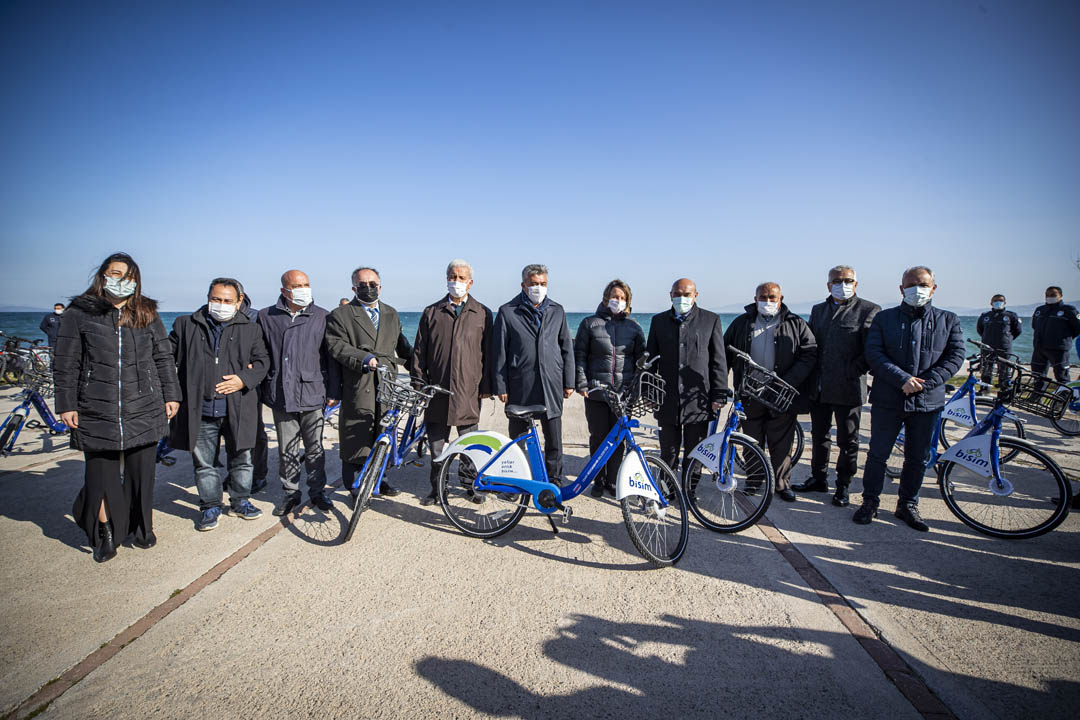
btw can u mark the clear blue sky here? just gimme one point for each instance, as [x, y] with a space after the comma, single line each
[731, 142]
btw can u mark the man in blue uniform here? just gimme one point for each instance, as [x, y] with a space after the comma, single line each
[997, 328]
[1053, 327]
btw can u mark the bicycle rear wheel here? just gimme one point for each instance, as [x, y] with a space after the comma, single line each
[1037, 503]
[1069, 423]
[733, 503]
[798, 443]
[371, 475]
[658, 533]
[483, 514]
[953, 432]
[895, 462]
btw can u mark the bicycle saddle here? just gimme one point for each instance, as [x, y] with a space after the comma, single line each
[525, 412]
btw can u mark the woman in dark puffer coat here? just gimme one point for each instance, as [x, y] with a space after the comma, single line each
[606, 350]
[116, 388]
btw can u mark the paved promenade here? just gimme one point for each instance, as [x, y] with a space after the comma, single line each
[806, 615]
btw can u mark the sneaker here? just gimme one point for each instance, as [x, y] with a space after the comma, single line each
[286, 504]
[866, 512]
[910, 514]
[322, 502]
[244, 509]
[208, 520]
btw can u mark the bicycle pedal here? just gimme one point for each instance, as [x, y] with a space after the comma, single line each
[567, 514]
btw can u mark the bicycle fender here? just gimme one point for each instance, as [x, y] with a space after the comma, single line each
[634, 480]
[486, 448]
[707, 451]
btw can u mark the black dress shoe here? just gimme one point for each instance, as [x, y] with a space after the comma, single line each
[429, 500]
[866, 512]
[910, 515]
[610, 490]
[597, 490]
[812, 485]
[150, 542]
[787, 495]
[388, 490]
[286, 504]
[105, 548]
[322, 502]
[840, 497]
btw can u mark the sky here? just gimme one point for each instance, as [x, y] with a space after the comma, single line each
[729, 142]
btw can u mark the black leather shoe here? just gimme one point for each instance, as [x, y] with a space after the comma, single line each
[106, 547]
[866, 512]
[387, 490]
[429, 500]
[787, 495]
[322, 502]
[840, 497]
[910, 515]
[286, 504]
[150, 542]
[812, 485]
[597, 490]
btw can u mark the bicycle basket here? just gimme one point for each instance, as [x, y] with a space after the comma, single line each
[1039, 395]
[394, 395]
[766, 388]
[646, 395]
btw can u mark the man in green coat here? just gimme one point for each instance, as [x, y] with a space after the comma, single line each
[361, 336]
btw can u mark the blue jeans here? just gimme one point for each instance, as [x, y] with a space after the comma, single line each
[885, 424]
[207, 480]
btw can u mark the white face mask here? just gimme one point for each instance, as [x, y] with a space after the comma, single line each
[119, 288]
[457, 288]
[59, 312]
[1052, 300]
[536, 293]
[616, 306]
[301, 296]
[998, 305]
[917, 295]
[842, 291]
[221, 312]
[682, 305]
[768, 308]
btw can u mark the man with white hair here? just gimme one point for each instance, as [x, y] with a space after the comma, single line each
[837, 387]
[912, 350]
[452, 351]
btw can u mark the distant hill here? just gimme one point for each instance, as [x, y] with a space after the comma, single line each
[24, 308]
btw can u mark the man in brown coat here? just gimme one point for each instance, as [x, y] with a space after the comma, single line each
[452, 351]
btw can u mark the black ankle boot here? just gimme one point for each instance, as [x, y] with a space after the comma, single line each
[106, 547]
[840, 497]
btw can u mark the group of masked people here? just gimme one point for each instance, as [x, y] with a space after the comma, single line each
[122, 382]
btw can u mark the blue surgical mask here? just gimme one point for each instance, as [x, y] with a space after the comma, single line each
[998, 304]
[120, 288]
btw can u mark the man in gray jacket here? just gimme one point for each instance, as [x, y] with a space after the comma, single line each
[837, 387]
[533, 362]
[301, 381]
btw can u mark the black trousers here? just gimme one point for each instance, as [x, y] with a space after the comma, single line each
[552, 429]
[600, 420]
[128, 492]
[847, 440]
[686, 436]
[1057, 359]
[438, 434]
[776, 433]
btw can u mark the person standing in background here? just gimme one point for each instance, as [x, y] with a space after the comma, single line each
[50, 324]
[997, 328]
[1053, 327]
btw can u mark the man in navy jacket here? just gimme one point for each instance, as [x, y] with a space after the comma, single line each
[912, 350]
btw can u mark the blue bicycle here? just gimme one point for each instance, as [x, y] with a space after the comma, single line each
[487, 481]
[392, 447]
[36, 380]
[728, 480]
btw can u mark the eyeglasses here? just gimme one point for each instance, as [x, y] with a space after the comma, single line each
[843, 281]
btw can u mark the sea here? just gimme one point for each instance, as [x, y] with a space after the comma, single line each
[26, 325]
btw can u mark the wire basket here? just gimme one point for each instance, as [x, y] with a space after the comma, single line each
[766, 388]
[394, 395]
[646, 395]
[1039, 395]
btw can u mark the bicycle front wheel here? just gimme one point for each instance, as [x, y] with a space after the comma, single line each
[1034, 499]
[953, 432]
[658, 533]
[1069, 423]
[737, 496]
[477, 514]
[14, 424]
[371, 475]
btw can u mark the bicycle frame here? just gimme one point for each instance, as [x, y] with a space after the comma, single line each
[396, 452]
[964, 413]
[619, 434]
[705, 453]
[979, 450]
[22, 410]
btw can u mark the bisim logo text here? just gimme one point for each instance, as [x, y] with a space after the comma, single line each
[639, 481]
[975, 457]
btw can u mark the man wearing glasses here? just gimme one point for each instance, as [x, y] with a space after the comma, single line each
[838, 385]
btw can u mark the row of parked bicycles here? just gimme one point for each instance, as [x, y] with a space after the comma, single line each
[28, 364]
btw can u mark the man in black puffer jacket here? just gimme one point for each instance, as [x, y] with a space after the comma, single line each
[912, 349]
[781, 341]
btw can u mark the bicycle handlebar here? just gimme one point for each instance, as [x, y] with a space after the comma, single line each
[428, 390]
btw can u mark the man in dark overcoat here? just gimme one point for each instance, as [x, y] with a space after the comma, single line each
[452, 350]
[361, 336]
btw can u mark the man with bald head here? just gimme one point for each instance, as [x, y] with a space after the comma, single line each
[302, 380]
[690, 342]
[781, 341]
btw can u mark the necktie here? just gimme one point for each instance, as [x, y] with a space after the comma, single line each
[373, 313]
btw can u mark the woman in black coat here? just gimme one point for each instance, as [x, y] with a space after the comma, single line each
[606, 350]
[116, 388]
